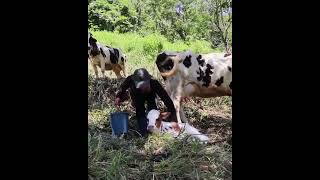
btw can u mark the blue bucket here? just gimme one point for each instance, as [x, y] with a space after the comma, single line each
[119, 123]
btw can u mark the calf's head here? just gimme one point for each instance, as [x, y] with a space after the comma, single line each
[155, 118]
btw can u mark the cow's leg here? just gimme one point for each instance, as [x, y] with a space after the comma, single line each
[189, 90]
[174, 89]
[116, 69]
[183, 115]
[103, 68]
[95, 69]
[123, 70]
[176, 103]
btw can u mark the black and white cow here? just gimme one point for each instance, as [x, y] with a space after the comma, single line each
[199, 75]
[105, 57]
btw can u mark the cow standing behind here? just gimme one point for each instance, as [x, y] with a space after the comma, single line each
[106, 58]
[199, 75]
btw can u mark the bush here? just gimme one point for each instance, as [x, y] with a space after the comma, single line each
[153, 44]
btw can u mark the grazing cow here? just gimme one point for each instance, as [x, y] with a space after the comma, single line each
[199, 75]
[157, 125]
[105, 57]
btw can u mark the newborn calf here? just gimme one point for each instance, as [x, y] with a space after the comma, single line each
[157, 125]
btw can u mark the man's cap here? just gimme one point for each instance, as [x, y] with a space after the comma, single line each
[141, 77]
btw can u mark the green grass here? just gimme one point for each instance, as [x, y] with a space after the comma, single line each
[158, 156]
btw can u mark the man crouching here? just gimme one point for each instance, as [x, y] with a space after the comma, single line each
[143, 89]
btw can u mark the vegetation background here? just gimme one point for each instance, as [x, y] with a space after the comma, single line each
[142, 29]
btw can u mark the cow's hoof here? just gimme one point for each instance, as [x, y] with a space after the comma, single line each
[185, 99]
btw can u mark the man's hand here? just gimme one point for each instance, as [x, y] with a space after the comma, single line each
[117, 101]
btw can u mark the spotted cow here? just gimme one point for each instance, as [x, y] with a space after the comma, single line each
[199, 75]
[105, 57]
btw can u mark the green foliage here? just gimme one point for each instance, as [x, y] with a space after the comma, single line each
[198, 20]
[111, 15]
[153, 44]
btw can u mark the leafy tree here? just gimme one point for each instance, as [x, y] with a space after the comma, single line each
[185, 20]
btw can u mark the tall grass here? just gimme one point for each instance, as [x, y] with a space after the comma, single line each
[149, 44]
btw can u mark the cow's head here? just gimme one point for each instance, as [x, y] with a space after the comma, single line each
[92, 45]
[155, 118]
[123, 58]
[167, 63]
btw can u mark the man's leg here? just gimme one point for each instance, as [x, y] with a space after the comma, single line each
[143, 123]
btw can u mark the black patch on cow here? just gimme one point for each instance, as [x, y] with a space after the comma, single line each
[219, 81]
[116, 52]
[229, 68]
[114, 55]
[94, 52]
[94, 48]
[230, 85]
[103, 54]
[163, 66]
[92, 40]
[200, 61]
[161, 57]
[122, 59]
[168, 65]
[207, 78]
[201, 74]
[187, 61]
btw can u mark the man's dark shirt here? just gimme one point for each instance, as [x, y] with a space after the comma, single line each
[140, 98]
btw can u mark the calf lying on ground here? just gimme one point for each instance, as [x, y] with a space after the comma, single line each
[157, 125]
[198, 75]
[105, 57]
